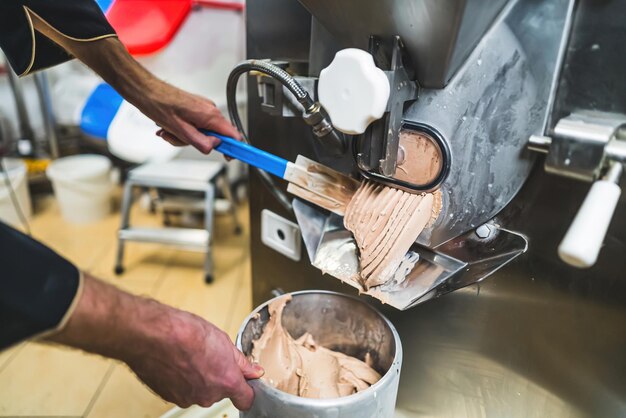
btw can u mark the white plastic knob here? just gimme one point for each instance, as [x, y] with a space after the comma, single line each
[581, 245]
[353, 91]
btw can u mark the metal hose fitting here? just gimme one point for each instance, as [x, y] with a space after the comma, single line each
[313, 114]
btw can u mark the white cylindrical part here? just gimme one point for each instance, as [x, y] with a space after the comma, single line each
[353, 91]
[581, 245]
[82, 185]
[11, 205]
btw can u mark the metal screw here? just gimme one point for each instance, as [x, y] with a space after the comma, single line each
[483, 231]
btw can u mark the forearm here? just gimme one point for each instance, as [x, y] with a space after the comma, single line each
[108, 58]
[179, 113]
[112, 323]
[182, 357]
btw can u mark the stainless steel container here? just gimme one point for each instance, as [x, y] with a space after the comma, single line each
[342, 323]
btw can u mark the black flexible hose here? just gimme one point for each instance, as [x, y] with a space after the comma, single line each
[271, 70]
[231, 97]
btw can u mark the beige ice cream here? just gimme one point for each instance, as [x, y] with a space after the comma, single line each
[385, 222]
[302, 367]
[422, 160]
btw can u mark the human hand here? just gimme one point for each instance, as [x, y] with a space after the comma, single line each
[180, 114]
[195, 363]
[180, 356]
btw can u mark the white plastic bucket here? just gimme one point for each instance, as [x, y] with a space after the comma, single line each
[16, 170]
[82, 185]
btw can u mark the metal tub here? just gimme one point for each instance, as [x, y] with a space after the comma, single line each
[342, 323]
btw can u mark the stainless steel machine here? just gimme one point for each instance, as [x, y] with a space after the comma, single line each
[505, 327]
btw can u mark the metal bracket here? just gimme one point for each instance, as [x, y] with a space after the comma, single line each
[378, 150]
[583, 144]
[276, 99]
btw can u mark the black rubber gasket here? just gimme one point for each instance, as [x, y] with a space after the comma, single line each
[410, 187]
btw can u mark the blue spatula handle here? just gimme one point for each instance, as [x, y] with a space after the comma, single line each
[249, 154]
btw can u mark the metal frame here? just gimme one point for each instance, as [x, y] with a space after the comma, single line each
[188, 239]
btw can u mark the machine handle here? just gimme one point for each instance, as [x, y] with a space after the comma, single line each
[581, 245]
[249, 154]
[353, 91]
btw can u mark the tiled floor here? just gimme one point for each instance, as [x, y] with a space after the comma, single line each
[38, 380]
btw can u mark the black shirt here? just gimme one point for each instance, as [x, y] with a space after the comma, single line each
[28, 50]
[38, 286]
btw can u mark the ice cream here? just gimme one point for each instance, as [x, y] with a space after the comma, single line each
[385, 223]
[422, 160]
[302, 367]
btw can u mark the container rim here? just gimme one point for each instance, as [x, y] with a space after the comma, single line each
[330, 402]
[98, 165]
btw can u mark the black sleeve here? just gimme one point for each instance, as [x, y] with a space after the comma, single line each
[28, 50]
[37, 287]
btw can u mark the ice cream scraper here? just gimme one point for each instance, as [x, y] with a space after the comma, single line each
[307, 179]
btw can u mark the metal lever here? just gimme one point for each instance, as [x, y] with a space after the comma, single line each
[583, 145]
[581, 245]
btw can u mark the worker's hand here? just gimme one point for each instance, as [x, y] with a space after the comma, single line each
[182, 357]
[196, 364]
[178, 113]
[181, 114]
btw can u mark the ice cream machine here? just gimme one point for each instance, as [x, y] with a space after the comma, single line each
[461, 98]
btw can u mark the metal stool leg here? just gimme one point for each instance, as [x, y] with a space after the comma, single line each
[208, 219]
[228, 194]
[127, 202]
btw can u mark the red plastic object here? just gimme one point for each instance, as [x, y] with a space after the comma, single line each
[219, 4]
[146, 26]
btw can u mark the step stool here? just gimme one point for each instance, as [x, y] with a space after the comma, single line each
[185, 175]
